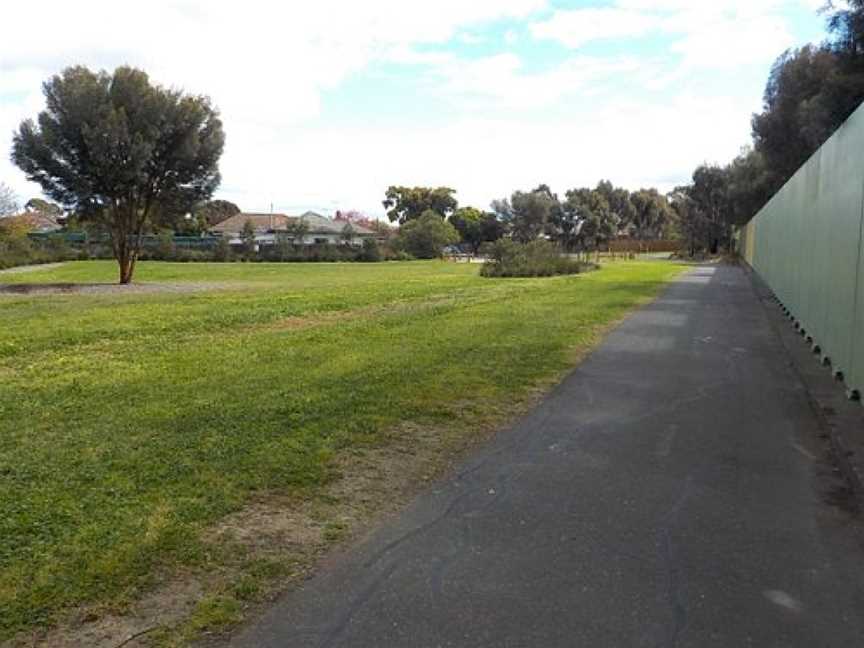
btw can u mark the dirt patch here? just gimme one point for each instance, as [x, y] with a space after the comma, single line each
[368, 483]
[103, 289]
[98, 628]
[30, 268]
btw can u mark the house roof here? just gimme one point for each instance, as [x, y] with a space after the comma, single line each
[321, 224]
[34, 221]
[263, 223]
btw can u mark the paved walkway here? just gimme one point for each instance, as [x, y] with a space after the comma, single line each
[669, 493]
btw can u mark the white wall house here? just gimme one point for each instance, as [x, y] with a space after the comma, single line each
[268, 228]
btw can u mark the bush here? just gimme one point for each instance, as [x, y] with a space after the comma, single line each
[165, 248]
[17, 249]
[222, 251]
[540, 258]
[427, 236]
[370, 252]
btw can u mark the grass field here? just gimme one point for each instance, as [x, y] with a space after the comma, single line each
[130, 423]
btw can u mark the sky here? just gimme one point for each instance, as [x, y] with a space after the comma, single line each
[325, 104]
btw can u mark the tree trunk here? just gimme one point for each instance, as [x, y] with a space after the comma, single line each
[125, 252]
[127, 265]
[126, 234]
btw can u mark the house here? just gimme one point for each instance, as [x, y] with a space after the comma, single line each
[262, 223]
[319, 230]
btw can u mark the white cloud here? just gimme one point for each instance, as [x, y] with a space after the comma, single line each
[498, 83]
[717, 34]
[577, 27]
[757, 40]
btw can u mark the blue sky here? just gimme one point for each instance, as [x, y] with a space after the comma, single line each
[325, 105]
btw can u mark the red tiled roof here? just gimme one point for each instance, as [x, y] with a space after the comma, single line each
[261, 222]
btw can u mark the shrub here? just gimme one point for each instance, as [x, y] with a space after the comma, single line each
[17, 249]
[370, 252]
[427, 236]
[540, 258]
[397, 255]
[222, 251]
[165, 248]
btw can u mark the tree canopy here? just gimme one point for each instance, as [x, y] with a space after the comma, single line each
[122, 152]
[651, 214]
[594, 222]
[425, 237]
[407, 203]
[800, 110]
[720, 198]
[526, 214]
[476, 227]
[810, 92]
[620, 203]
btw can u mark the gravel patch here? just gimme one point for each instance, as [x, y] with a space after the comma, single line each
[105, 289]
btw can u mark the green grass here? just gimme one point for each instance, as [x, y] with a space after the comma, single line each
[129, 423]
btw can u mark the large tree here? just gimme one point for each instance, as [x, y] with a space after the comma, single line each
[651, 213]
[718, 199]
[476, 227]
[426, 237]
[526, 214]
[710, 193]
[121, 152]
[620, 203]
[8, 200]
[592, 214]
[693, 226]
[407, 203]
[810, 92]
[796, 117]
[749, 186]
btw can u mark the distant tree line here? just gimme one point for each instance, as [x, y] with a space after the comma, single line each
[585, 220]
[810, 92]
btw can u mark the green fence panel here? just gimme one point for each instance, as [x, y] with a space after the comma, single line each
[819, 234]
[856, 373]
[844, 176]
[807, 245]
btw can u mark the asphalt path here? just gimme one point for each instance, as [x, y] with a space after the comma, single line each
[672, 491]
